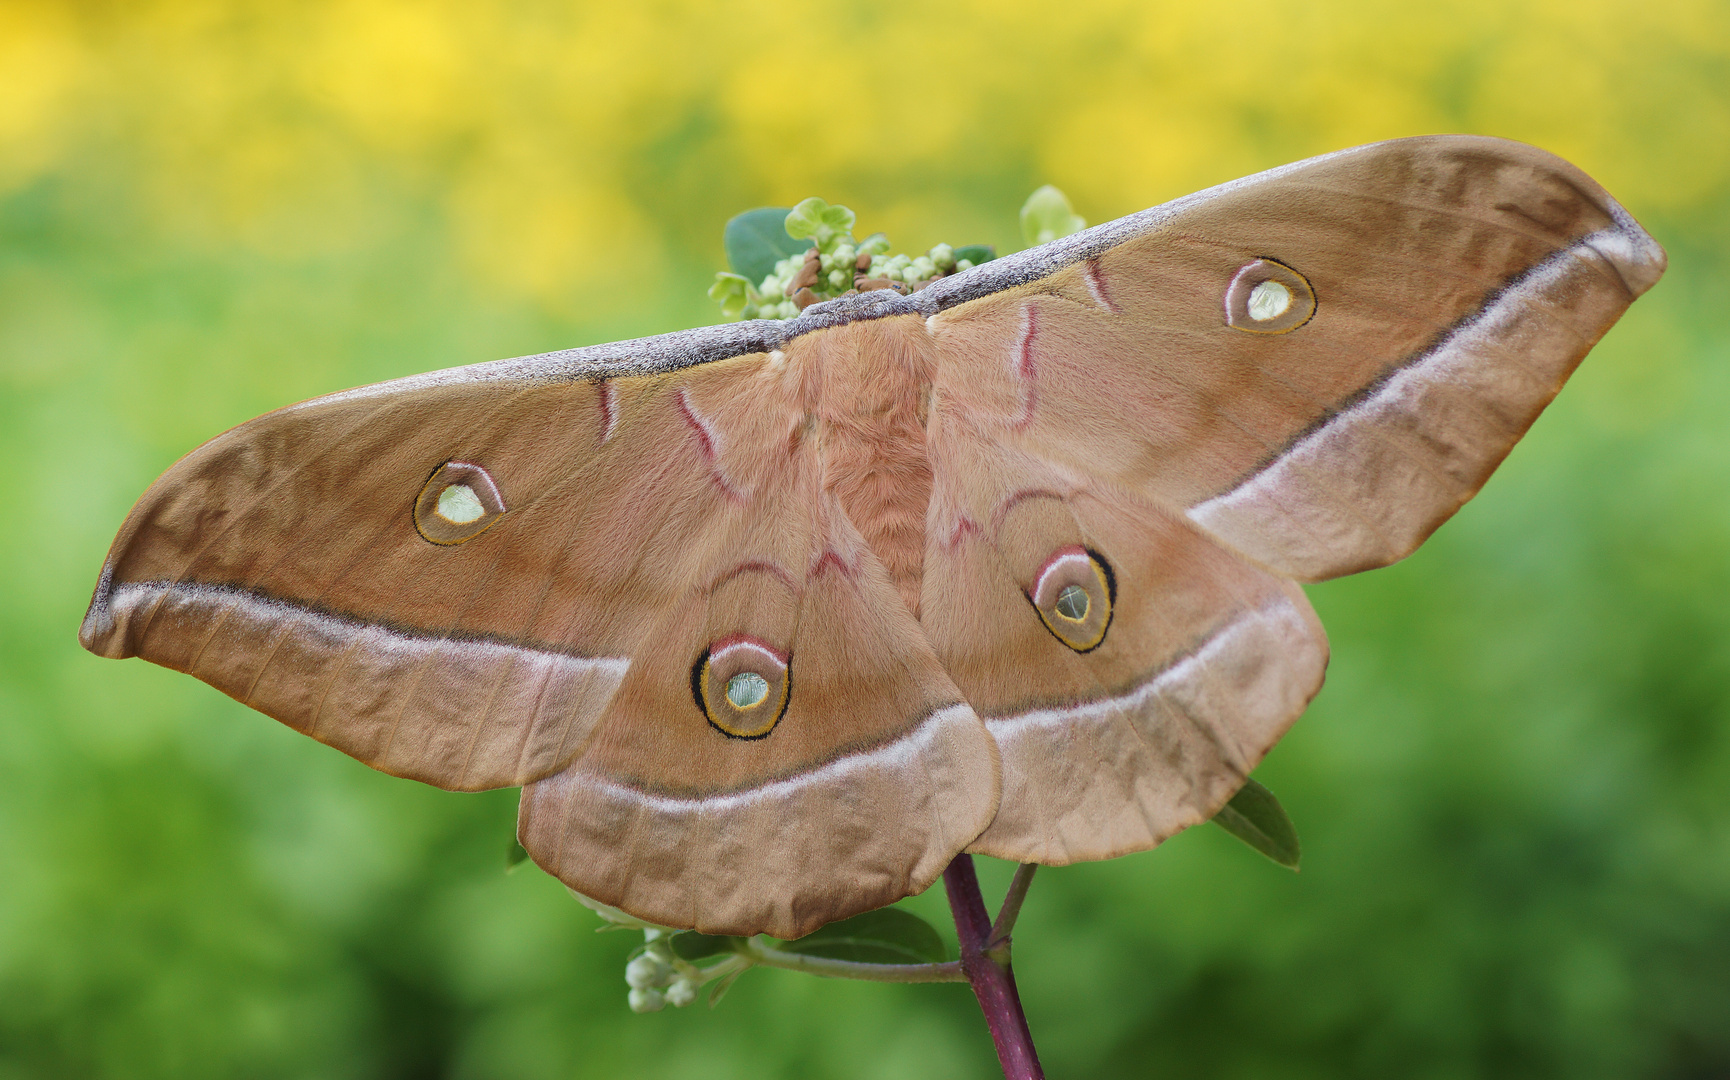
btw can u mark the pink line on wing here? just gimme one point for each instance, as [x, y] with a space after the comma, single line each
[1019, 497]
[609, 409]
[1024, 366]
[705, 434]
[757, 566]
[830, 558]
[1096, 285]
[964, 528]
[709, 442]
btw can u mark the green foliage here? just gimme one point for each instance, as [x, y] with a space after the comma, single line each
[1047, 216]
[733, 293]
[1254, 816]
[695, 946]
[886, 936]
[820, 260]
[758, 239]
[824, 225]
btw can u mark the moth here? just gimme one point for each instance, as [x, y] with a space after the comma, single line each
[771, 620]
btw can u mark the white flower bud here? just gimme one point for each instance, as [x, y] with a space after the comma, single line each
[963, 264]
[943, 256]
[646, 1001]
[837, 279]
[681, 993]
[845, 254]
[924, 267]
[647, 971]
[826, 262]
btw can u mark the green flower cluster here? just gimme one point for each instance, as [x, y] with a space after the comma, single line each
[823, 261]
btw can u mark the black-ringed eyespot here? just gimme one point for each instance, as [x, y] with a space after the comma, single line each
[741, 684]
[1074, 593]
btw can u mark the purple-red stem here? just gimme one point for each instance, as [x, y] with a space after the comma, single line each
[992, 981]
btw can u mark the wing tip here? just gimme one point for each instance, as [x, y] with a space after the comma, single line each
[96, 632]
[1638, 259]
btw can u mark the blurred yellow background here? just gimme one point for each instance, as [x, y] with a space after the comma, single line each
[1512, 792]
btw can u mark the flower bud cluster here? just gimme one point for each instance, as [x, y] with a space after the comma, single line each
[658, 978]
[835, 264]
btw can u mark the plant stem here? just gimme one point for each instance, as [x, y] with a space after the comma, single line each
[988, 972]
[1011, 909]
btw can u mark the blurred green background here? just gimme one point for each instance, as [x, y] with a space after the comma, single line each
[1514, 791]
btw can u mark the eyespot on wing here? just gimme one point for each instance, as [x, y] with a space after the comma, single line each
[458, 502]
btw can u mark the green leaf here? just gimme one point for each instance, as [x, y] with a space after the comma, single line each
[757, 239]
[721, 988]
[1047, 215]
[885, 936]
[732, 292]
[695, 946]
[875, 244]
[817, 220]
[515, 855]
[1254, 816]
[976, 253]
[613, 917]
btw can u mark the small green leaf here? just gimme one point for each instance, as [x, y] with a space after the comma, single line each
[515, 855]
[613, 917]
[721, 988]
[817, 220]
[1047, 215]
[875, 244]
[732, 292]
[695, 946]
[757, 239]
[1254, 816]
[976, 253]
[885, 936]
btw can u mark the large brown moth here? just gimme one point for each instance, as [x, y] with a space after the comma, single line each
[771, 620]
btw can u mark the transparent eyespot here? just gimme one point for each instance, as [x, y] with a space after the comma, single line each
[1073, 594]
[1269, 300]
[742, 684]
[747, 690]
[1072, 603]
[458, 503]
[1268, 297]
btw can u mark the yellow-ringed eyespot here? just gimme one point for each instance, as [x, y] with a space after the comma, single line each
[457, 503]
[741, 683]
[1268, 297]
[1074, 593]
